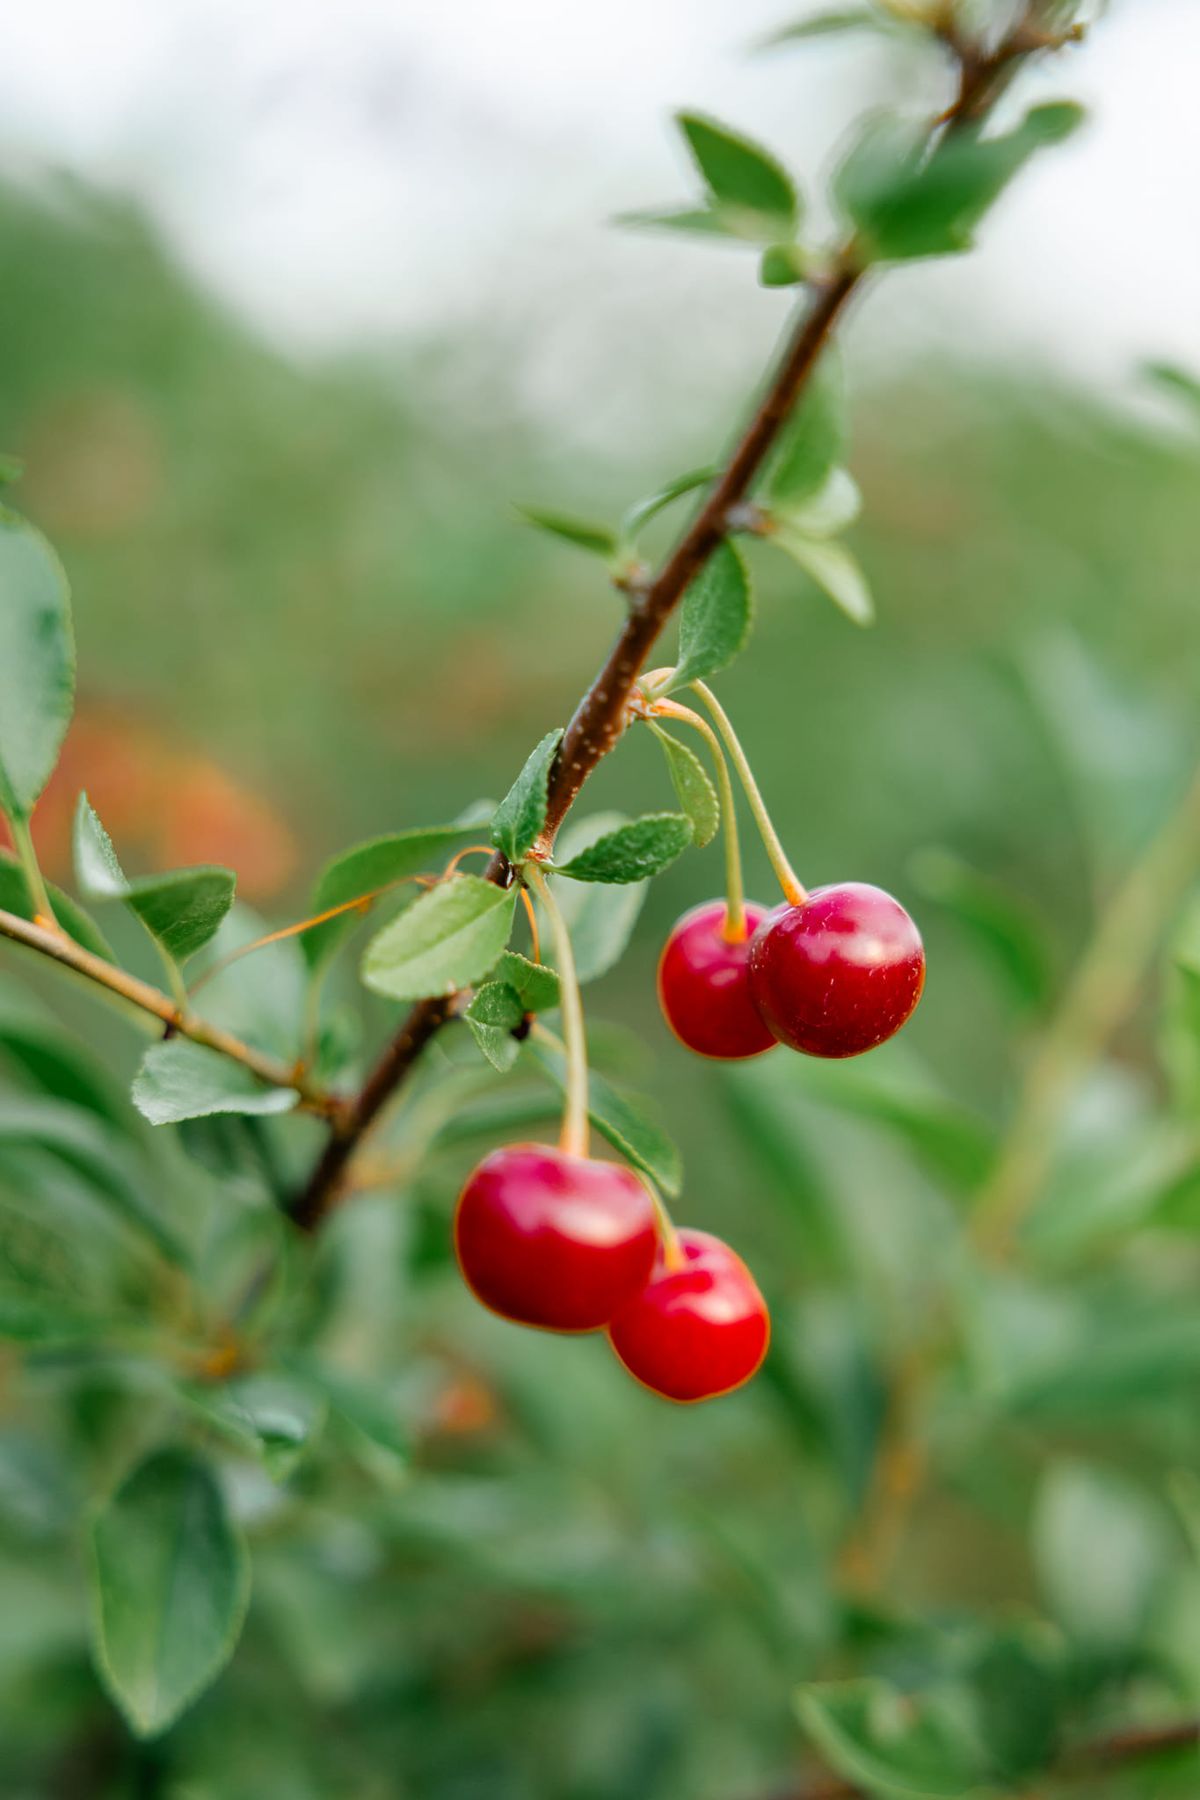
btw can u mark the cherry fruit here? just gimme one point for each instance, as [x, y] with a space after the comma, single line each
[554, 1240]
[704, 985]
[697, 1329]
[839, 973]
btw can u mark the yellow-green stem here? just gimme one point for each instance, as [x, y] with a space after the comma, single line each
[27, 856]
[735, 890]
[574, 1136]
[794, 890]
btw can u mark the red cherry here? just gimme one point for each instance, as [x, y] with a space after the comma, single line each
[704, 986]
[694, 1331]
[839, 973]
[554, 1240]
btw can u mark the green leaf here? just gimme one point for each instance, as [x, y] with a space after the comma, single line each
[600, 919]
[170, 1586]
[642, 511]
[833, 569]
[521, 815]
[822, 515]
[368, 867]
[995, 918]
[493, 1016]
[742, 178]
[446, 940]
[366, 1406]
[181, 909]
[783, 265]
[696, 793]
[15, 898]
[811, 444]
[632, 852]
[692, 221]
[58, 1064]
[1102, 1551]
[277, 1417]
[889, 1743]
[585, 534]
[536, 984]
[825, 24]
[1179, 383]
[28, 1317]
[623, 1121]
[715, 618]
[37, 663]
[907, 204]
[180, 1080]
[955, 1143]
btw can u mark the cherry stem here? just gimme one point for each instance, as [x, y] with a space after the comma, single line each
[794, 891]
[672, 1249]
[535, 939]
[34, 880]
[573, 1139]
[735, 890]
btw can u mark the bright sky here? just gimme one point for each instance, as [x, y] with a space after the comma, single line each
[350, 170]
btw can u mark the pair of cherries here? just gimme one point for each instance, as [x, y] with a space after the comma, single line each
[569, 1243]
[833, 976]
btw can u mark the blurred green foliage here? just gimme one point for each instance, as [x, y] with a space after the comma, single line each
[486, 1566]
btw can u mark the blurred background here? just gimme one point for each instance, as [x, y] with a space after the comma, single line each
[296, 302]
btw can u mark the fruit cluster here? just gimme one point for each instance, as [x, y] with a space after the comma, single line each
[552, 1238]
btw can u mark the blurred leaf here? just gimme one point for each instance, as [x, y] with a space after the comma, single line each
[742, 179]
[955, 1143]
[171, 1581]
[37, 663]
[182, 909]
[521, 815]
[832, 568]
[28, 1317]
[373, 865]
[14, 898]
[995, 918]
[825, 24]
[493, 1016]
[833, 507]
[583, 533]
[692, 221]
[783, 265]
[906, 203]
[57, 1063]
[277, 1417]
[599, 918]
[694, 791]
[365, 1405]
[642, 511]
[811, 444]
[180, 1080]
[632, 852]
[536, 984]
[446, 940]
[624, 1121]
[715, 619]
[94, 1150]
[891, 1743]
[1177, 382]
[1018, 1693]
[1102, 1551]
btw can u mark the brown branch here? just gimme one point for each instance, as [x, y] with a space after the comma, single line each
[151, 1000]
[602, 714]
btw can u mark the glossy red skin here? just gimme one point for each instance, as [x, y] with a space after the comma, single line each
[697, 1331]
[552, 1240]
[704, 985]
[838, 974]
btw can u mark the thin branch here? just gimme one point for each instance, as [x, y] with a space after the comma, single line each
[603, 712]
[152, 1001]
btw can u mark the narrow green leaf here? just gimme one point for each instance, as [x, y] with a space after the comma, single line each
[585, 534]
[890, 1744]
[536, 984]
[833, 569]
[1177, 382]
[56, 1062]
[825, 24]
[276, 1417]
[376, 864]
[692, 221]
[632, 852]
[642, 511]
[15, 898]
[623, 1121]
[521, 815]
[824, 514]
[811, 444]
[29, 1317]
[739, 174]
[998, 920]
[493, 1015]
[446, 940]
[600, 919]
[180, 1080]
[366, 1406]
[37, 663]
[696, 793]
[170, 1586]
[715, 618]
[182, 908]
